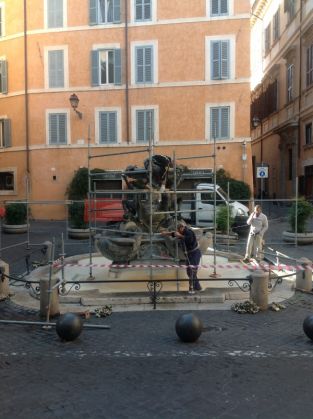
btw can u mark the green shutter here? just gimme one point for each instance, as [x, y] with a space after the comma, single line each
[56, 68]
[3, 76]
[116, 11]
[148, 52]
[224, 60]
[140, 126]
[95, 68]
[214, 8]
[55, 13]
[108, 127]
[7, 133]
[93, 12]
[139, 57]
[117, 67]
[215, 60]
[214, 122]
[224, 118]
[57, 128]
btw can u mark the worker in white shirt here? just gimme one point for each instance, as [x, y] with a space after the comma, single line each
[258, 225]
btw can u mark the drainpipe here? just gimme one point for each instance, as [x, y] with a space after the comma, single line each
[298, 145]
[26, 92]
[126, 73]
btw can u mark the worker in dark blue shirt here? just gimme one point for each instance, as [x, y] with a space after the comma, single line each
[192, 252]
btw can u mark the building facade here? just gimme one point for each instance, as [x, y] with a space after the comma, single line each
[174, 74]
[282, 96]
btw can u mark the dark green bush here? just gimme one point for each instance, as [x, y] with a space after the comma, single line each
[78, 190]
[76, 215]
[16, 213]
[238, 190]
[304, 210]
[222, 219]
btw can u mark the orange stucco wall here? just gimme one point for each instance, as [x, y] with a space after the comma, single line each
[181, 94]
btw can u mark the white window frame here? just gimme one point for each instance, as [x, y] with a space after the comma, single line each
[135, 44]
[118, 125]
[154, 8]
[208, 107]
[46, 16]
[230, 10]
[134, 109]
[68, 126]
[46, 64]
[232, 57]
[2, 22]
[12, 170]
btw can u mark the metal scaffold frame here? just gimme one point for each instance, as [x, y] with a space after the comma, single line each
[150, 150]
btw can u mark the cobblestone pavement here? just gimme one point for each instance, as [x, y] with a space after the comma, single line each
[243, 366]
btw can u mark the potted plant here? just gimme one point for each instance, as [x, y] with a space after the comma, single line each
[15, 219]
[299, 215]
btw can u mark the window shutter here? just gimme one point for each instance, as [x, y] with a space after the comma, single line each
[95, 68]
[103, 127]
[55, 13]
[224, 122]
[224, 7]
[57, 129]
[116, 11]
[7, 133]
[139, 53]
[56, 68]
[140, 125]
[215, 60]
[112, 127]
[117, 67]
[150, 125]
[93, 12]
[214, 7]
[3, 76]
[147, 10]
[214, 120]
[138, 10]
[148, 65]
[224, 59]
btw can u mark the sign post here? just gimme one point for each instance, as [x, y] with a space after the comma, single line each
[262, 173]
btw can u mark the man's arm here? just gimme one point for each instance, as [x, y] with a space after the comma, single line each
[264, 224]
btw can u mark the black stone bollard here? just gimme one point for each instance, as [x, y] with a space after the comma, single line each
[188, 327]
[69, 326]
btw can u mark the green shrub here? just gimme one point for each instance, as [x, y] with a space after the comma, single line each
[304, 211]
[16, 213]
[76, 215]
[222, 217]
[238, 190]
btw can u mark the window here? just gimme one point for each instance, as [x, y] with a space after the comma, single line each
[267, 39]
[104, 11]
[308, 134]
[276, 26]
[3, 76]
[289, 164]
[309, 65]
[290, 78]
[5, 132]
[220, 122]
[7, 181]
[106, 66]
[143, 10]
[144, 64]
[219, 8]
[1, 21]
[107, 127]
[289, 8]
[220, 60]
[145, 126]
[57, 128]
[54, 13]
[55, 68]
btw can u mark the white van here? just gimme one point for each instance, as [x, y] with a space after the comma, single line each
[199, 210]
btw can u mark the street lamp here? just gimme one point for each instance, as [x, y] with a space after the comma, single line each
[74, 101]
